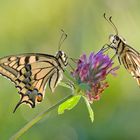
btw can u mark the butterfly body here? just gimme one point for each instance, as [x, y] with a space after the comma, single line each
[32, 72]
[127, 55]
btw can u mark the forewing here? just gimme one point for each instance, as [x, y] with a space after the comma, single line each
[10, 66]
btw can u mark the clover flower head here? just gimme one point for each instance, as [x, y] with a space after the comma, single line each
[93, 71]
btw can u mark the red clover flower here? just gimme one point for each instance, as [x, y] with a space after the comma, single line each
[93, 71]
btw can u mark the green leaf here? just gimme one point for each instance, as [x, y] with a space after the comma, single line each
[91, 113]
[69, 104]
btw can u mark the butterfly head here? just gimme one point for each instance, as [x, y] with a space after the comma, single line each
[115, 39]
[62, 58]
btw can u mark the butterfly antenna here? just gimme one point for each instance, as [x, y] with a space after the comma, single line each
[115, 28]
[62, 39]
[111, 22]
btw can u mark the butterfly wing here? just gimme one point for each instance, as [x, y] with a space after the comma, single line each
[30, 73]
[131, 61]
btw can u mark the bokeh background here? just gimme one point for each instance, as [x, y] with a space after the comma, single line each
[34, 26]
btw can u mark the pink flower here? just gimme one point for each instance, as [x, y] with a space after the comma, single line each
[93, 71]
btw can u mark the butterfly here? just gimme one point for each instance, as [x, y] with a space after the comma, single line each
[31, 73]
[128, 56]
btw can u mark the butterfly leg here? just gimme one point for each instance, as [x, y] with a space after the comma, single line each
[74, 60]
[71, 66]
[113, 56]
[111, 59]
[104, 49]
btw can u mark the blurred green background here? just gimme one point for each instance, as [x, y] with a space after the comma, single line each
[34, 26]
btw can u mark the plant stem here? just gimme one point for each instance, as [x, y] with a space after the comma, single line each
[37, 118]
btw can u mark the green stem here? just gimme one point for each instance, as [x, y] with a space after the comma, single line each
[37, 118]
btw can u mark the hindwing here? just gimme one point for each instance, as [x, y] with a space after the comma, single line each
[131, 61]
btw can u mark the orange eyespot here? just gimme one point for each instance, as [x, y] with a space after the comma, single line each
[39, 97]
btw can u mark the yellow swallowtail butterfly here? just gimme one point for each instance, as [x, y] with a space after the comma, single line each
[32, 71]
[126, 54]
